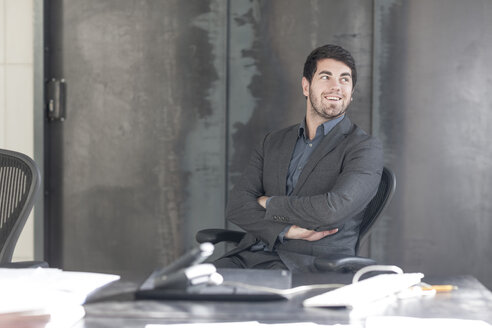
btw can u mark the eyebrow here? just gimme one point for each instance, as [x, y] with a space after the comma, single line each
[331, 74]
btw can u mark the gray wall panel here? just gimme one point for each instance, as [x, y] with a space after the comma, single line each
[143, 143]
[432, 96]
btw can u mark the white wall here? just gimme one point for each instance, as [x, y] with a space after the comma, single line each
[17, 93]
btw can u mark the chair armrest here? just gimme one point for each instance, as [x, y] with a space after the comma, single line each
[342, 263]
[215, 236]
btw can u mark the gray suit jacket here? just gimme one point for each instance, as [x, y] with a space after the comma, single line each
[335, 186]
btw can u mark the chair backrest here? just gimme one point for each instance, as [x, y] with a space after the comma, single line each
[377, 205]
[19, 186]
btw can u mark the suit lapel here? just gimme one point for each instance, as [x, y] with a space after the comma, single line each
[286, 149]
[329, 142]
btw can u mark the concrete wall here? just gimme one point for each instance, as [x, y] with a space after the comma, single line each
[17, 93]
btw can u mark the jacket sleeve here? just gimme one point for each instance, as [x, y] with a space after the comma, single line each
[243, 208]
[353, 190]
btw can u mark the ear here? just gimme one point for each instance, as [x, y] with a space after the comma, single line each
[305, 86]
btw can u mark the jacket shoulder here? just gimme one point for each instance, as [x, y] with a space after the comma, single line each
[357, 135]
[280, 134]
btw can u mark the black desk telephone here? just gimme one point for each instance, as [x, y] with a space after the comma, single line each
[189, 278]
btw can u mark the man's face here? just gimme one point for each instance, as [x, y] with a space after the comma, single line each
[330, 90]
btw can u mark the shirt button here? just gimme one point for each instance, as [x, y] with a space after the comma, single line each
[310, 145]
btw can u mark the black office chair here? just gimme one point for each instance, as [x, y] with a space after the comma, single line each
[19, 187]
[339, 263]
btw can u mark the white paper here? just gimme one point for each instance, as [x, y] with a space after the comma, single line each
[250, 324]
[51, 291]
[410, 322]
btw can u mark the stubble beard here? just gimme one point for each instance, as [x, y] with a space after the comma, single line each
[326, 112]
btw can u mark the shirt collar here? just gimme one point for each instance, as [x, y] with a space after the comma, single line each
[327, 126]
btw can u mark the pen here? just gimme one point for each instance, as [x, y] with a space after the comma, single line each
[439, 288]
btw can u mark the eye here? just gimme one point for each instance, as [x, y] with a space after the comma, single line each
[345, 80]
[324, 77]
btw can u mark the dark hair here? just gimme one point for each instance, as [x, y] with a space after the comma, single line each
[328, 51]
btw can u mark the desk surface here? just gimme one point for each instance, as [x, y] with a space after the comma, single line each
[470, 301]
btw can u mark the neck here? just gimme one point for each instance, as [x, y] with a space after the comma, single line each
[312, 123]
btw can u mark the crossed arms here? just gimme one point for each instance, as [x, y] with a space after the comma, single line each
[296, 232]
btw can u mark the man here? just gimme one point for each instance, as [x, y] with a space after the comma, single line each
[304, 192]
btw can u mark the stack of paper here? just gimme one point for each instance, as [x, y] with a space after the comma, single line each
[46, 297]
[409, 322]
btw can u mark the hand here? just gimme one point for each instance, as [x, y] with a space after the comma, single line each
[262, 200]
[296, 232]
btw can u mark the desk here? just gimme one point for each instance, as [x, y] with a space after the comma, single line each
[470, 301]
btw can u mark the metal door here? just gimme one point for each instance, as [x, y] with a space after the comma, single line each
[137, 165]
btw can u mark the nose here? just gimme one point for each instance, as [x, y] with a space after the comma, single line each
[334, 84]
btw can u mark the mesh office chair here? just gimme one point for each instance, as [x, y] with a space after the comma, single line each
[19, 187]
[373, 211]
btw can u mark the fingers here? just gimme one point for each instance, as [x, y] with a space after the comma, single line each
[330, 232]
[296, 232]
[315, 235]
[312, 235]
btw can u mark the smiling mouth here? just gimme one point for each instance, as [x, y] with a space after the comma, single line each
[333, 98]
